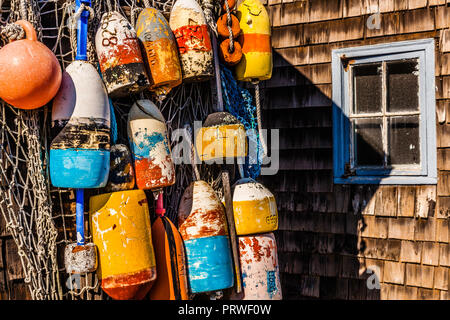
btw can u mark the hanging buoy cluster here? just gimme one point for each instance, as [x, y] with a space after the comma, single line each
[215, 244]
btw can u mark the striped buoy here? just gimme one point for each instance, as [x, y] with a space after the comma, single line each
[256, 63]
[254, 208]
[79, 154]
[203, 227]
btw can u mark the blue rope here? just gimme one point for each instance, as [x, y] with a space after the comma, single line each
[239, 102]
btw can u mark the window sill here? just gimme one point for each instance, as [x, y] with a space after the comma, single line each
[417, 180]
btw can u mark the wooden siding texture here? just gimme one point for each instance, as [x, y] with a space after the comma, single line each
[332, 239]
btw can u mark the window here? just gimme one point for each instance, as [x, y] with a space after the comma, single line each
[384, 127]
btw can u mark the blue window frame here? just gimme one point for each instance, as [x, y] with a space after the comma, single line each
[384, 127]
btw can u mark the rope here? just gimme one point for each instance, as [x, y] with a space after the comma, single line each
[230, 31]
[146, 3]
[12, 31]
[108, 4]
[258, 116]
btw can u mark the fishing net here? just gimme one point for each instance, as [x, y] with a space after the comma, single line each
[39, 217]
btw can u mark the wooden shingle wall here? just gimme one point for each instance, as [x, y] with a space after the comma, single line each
[334, 240]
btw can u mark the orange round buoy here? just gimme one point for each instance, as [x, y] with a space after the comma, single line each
[30, 74]
[231, 4]
[230, 58]
[222, 27]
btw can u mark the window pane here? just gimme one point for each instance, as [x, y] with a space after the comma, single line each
[367, 88]
[404, 145]
[369, 142]
[403, 85]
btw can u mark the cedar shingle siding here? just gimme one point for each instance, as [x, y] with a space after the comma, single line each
[332, 238]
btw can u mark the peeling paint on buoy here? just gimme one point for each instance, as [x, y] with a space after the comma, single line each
[160, 49]
[256, 63]
[259, 267]
[150, 147]
[189, 26]
[120, 225]
[119, 56]
[203, 227]
[254, 208]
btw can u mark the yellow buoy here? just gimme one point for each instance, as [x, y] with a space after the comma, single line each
[256, 63]
[254, 208]
[120, 225]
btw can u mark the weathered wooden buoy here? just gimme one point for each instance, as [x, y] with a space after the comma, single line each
[160, 49]
[30, 74]
[171, 283]
[203, 227]
[230, 58]
[119, 56]
[259, 267]
[121, 172]
[79, 154]
[150, 147]
[189, 26]
[222, 27]
[254, 208]
[256, 63]
[120, 225]
[222, 136]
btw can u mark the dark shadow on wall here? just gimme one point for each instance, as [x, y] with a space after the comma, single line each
[320, 223]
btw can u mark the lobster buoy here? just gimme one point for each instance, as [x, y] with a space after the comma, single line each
[119, 56]
[171, 283]
[259, 267]
[79, 154]
[30, 74]
[121, 172]
[120, 225]
[222, 27]
[150, 147]
[254, 208]
[160, 48]
[222, 136]
[231, 4]
[230, 58]
[256, 63]
[189, 26]
[203, 227]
